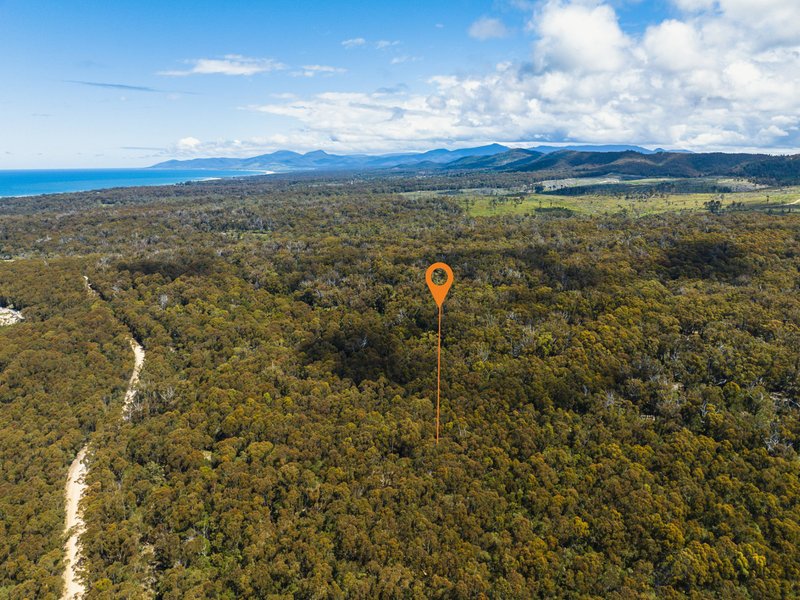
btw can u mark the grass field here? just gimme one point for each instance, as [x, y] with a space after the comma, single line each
[483, 205]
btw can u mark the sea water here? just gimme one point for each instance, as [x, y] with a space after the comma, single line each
[30, 182]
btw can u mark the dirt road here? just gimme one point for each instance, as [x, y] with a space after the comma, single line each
[74, 588]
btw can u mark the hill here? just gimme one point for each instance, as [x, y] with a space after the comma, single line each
[543, 161]
[783, 169]
[319, 160]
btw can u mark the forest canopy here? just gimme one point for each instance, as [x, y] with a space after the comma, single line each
[620, 412]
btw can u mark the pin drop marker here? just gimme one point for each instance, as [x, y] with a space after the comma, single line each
[439, 292]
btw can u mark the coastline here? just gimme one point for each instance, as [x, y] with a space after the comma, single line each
[45, 182]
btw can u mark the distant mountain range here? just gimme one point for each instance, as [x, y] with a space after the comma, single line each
[284, 161]
[549, 161]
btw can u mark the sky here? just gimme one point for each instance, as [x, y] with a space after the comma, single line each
[128, 84]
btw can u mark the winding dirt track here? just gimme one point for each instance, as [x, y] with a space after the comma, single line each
[74, 588]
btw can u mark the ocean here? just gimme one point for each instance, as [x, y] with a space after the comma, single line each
[31, 182]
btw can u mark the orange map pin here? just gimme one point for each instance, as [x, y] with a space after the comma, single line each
[439, 292]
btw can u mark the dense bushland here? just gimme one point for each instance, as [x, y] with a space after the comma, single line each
[620, 398]
[62, 371]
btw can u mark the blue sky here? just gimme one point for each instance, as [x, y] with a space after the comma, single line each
[132, 83]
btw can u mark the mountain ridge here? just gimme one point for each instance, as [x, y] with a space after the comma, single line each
[288, 160]
[763, 168]
[544, 162]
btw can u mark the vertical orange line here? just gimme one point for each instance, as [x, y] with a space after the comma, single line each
[438, 373]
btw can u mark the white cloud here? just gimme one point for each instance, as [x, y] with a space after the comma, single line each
[523, 5]
[710, 79]
[230, 64]
[385, 44]
[188, 144]
[674, 46]
[365, 121]
[773, 22]
[405, 58]
[191, 147]
[777, 21]
[314, 70]
[578, 37]
[354, 42]
[487, 28]
[694, 5]
[707, 81]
